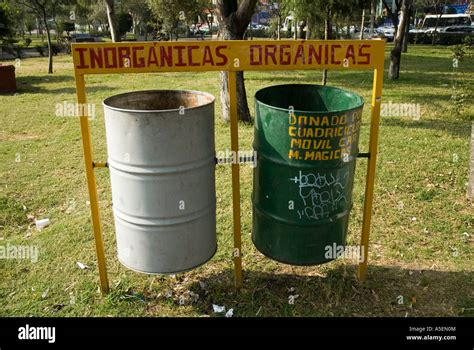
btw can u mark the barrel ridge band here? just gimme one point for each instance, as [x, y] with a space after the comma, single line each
[293, 223]
[151, 170]
[169, 221]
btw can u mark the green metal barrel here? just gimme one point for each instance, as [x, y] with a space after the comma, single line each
[306, 139]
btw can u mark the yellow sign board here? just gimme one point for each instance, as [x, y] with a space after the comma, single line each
[142, 57]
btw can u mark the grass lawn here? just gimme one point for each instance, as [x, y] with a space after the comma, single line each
[421, 252]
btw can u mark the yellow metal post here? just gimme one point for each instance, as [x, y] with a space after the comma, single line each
[91, 184]
[234, 137]
[371, 165]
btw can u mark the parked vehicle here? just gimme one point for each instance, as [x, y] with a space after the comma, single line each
[83, 38]
[433, 23]
[451, 35]
[387, 31]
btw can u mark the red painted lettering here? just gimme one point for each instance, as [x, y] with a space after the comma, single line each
[107, 57]
[96, 58]
[299, 55]
[350, 53]
[152, 59]
[253, 60]
[333, 54]
[180, 50]
[270, 52]
[207, 56]
[123, 54]
[364, 54]
[190, 55]
[138, 62]
[166, 56]
[82, 64]
[285, 55]
[312, 53]
[222, 56]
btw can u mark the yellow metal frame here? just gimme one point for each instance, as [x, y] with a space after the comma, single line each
[230, 56]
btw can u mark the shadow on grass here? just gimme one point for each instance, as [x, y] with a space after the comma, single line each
[360, 80]
[388, 291]
[458, 128]
[43, 79]
[39, 85]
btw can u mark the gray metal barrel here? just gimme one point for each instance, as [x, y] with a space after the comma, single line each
[161, 157]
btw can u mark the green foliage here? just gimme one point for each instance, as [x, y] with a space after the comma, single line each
[6, 23]
[315, 13]
[461, 94]
[172, 12]
[40, 49]
[260, 33]
[125, 22]
[140, 12]
[66, 27]
[461, 51]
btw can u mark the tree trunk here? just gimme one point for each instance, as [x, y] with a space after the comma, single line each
[309, 27]
[470, 187]
[301, 34]
[57, 30]
[233, 22]
[134, 26]
[396, 53]
[50, 46]
[278, 27]
[362, 25]
[372, 17]
[113, 25]
[327, 36]
[433, 34]
[295, 34]
[407, 32]
[242, 105]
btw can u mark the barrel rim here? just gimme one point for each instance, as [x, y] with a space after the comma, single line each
[358, 106]
[128, 110]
